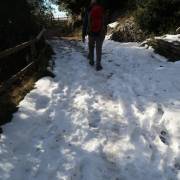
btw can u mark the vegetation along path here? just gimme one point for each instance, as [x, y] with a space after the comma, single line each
[121, 123]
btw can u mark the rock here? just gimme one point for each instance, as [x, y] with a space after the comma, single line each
[170, 50]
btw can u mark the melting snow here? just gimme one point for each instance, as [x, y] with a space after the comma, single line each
[170, 38]
[114, 24]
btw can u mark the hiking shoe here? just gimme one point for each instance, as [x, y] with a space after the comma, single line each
[99, 67]
[91, 63]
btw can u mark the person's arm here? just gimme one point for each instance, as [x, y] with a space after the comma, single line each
[105, 21]
[85, 26]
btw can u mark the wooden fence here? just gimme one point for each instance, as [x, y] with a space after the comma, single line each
[32, 56]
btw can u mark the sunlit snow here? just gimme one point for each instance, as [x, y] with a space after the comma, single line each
[122, 123]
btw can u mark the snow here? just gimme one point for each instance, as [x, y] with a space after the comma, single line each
[170, 38]
[122, 123]
[113, 25]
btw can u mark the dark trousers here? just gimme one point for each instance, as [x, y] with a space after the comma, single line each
[98, 42]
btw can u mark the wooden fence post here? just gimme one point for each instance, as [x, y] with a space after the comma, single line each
[31, 56]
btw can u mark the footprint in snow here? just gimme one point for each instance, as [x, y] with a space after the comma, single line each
[135, 135]
[94, 119]
[159, 114]
[118, 65]
[110, 75]
[42, 102]
[160, 110]
[177, 164]
[164, 136]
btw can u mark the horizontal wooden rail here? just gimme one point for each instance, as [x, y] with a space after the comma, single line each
[32, 54]
[15, 49]
[40, 34]
[22, 46]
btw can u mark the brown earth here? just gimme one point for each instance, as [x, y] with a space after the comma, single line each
[12, 94]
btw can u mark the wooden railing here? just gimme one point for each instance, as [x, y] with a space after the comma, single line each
[32, 56]
[17, 48]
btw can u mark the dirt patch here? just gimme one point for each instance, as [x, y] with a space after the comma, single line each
[10, 98]
[56, 32]
[11, 95]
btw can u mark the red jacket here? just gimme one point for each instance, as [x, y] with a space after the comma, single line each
[97, 16]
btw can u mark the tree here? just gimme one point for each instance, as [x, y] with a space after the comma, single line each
[158, 16]
[20, 20]
[74, 7]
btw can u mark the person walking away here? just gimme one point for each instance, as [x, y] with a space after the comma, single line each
[94, 25]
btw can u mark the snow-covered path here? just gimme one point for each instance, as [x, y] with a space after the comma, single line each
[122, 123]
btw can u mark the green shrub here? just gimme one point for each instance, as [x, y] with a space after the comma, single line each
[158, 16]
[19, 21]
